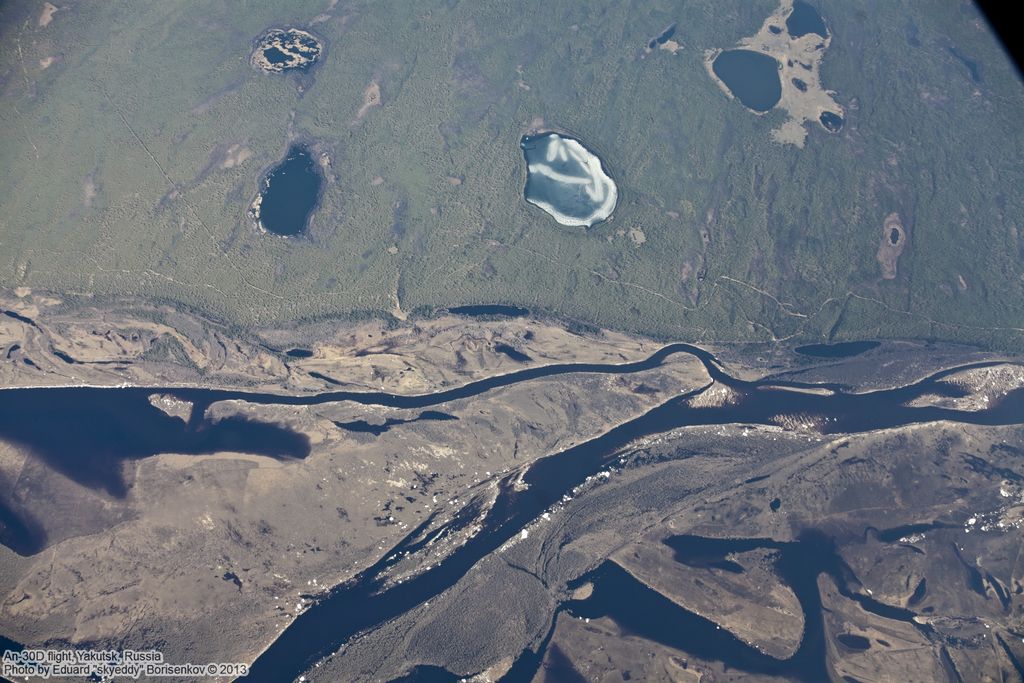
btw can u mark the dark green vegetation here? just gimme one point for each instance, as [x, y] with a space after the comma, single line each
[753, 77]
[122, 175]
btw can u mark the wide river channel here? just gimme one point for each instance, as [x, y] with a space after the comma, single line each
[85, 431]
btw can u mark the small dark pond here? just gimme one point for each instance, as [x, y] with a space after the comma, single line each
[364, 427]
[853, 642]
[753, 77]
[972, 66]
[805, 19]
[919, 592]
[298, 353]
[290, 193]
[487, 310]
[840, 350]
[663, 37]
[512, 353]
[831, 121]
[567, 180]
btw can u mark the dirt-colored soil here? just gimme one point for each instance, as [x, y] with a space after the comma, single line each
[890, 249]
[799, 60]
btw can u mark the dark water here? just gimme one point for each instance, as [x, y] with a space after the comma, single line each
[663, 37]
[363, 602]
[805, 19]
[293, 47]
[325, 378]
[512, 353]
[298, 353]
[291, 193]
[854, 642]
[1018, 666]
[644, 612]
[20, 318]
[85, 433]
[831, 121]
[972, 66]
[362, 426]
[919, 592]
[753, 77]
[489, 310]
[275, 56]
[896, 533]
[88, 437]
[576, 201]
[839, 350]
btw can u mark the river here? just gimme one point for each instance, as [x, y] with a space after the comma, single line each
[118, 420]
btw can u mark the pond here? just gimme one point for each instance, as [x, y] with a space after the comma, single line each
[831, 121]
[837, 350]
[567, 180]
[490, 310]
[279, 50]
[290, 193]
[752, 77]
[805, 19]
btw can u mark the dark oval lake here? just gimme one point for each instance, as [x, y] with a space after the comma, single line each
[805, 19]
[291, 192]
[753, 77]
[831, 121]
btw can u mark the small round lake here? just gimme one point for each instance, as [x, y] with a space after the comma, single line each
[831, 121]
[290, 193]
[753, 77]
[567, 180]
[805, 19]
